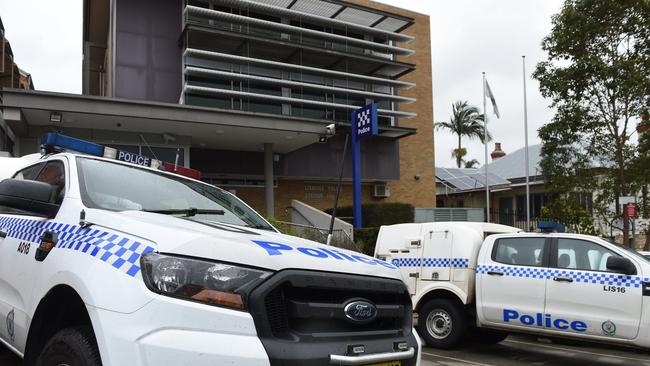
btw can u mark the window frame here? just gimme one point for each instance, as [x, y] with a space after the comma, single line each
[555, 251]
[41, 163]
[546, 248]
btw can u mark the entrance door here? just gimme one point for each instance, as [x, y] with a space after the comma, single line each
[506, 213]
[582, 290]
[512, 281]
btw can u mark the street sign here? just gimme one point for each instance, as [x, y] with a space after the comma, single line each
[364, 122]
[630, 210]
[625, 199]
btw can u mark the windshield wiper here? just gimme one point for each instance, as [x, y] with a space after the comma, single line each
[187, 212]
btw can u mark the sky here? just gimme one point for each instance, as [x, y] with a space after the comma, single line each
[468, 37]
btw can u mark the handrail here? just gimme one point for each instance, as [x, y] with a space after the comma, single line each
[193, 52]
[190, 70]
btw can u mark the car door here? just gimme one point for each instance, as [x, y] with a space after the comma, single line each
[511, 281]
[581, 289]
[436, 262]
[17, 250]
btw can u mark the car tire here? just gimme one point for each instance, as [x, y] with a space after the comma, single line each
[442, 323]
[487, 336]
[71, 347]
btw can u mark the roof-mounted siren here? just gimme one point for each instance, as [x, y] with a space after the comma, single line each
[550, 227]
[55, 142]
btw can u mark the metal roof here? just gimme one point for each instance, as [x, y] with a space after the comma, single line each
[513, 165]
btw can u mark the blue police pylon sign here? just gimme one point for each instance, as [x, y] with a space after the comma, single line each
[364, 125]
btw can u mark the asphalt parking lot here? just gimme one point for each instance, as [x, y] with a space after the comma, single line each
[516, 350]
[520, 350]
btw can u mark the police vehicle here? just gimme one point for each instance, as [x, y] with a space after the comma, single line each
[107, 262]
[485, 280]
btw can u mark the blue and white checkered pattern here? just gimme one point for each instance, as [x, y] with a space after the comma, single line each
[598, 278]
[120, 252]
[431, 262]
[363, 118]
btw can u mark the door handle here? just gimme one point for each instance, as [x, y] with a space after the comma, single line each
[562, 279]
[3, 234]
[414, 274]
[495, 273]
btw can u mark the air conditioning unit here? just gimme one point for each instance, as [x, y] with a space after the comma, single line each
[381, 191]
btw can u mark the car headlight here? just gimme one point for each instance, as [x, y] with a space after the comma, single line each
[212, 283]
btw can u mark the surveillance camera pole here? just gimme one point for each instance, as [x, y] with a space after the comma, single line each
[338, 189]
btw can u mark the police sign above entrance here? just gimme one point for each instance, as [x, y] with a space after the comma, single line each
[364, 122]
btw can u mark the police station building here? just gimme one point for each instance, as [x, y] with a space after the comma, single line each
[255, 94]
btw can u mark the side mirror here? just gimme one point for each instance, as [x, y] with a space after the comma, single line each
[29, 196]
[621, 265]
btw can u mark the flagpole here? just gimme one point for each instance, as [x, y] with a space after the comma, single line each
[523, 59]
[485, 142]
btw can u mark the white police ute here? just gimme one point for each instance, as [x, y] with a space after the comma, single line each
[485, 281]
[105, 262]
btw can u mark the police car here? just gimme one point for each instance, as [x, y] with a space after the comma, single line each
[485, 281]
[107, 262]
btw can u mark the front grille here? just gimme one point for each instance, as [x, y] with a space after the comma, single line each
[276, 312]
[309, 306]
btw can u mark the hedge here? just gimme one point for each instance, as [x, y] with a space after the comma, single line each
[366, 238]
[375, 215]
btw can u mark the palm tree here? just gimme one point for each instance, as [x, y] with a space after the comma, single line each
[471, 164]
[464, 121]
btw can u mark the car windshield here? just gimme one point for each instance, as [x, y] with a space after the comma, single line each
[119, 187]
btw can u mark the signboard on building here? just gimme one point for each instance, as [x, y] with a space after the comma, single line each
[630, 210]
[364, 125]
[364, 122]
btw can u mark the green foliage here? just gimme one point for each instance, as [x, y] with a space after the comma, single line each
[570, 214]
[284, 228]
[465, 121]
[366, 238]
[596, 75]
[377, 214]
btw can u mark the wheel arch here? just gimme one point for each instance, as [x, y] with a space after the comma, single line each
[439, 290]
[61, 307]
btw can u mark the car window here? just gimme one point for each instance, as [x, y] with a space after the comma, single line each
[519, 251]
[29, 173]
[582, 255]
[118, 187]
[54, 174]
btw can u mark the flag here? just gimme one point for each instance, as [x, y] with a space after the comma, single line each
[491, 96]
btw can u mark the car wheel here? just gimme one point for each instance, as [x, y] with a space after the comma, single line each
[442, 323]
[71, 347]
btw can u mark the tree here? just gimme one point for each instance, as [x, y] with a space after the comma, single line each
[641, 170]
[465, 121]
[596, 75]
[471, 164]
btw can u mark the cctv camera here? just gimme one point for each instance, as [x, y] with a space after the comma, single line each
[330, 129]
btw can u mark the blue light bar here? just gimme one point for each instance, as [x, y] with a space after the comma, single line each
[52, 141]
[550, 227]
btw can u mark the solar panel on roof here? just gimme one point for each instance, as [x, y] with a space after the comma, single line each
[316, 7]
[443, 174]
[461, 183]
[358, 16]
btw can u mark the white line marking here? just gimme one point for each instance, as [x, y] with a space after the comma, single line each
[456, 359]
[576, 350]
